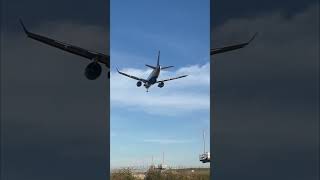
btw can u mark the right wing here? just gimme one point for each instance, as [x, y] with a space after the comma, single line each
[170, 79]
[166, 67]
[130, 76]
[102, 58]
[231, 48]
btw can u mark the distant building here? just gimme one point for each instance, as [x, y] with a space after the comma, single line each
[162, 166]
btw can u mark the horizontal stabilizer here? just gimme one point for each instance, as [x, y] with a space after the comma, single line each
[166, 67]
[152, 67]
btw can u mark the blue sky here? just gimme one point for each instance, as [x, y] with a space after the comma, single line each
[171, 119]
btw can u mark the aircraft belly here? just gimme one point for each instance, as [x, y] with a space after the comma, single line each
[153, 80]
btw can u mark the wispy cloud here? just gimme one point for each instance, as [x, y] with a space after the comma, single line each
[182, 95]
[168, 141]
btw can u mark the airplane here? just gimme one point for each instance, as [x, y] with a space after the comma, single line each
[93, 69]
[153, 77]
[232, 47]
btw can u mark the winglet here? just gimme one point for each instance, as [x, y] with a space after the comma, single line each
[254, 36]
[24, 27]
[118, 70]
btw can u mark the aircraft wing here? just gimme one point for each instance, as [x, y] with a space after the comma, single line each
[130, 76]
[231, 48]
[102, 58]
[172, 78]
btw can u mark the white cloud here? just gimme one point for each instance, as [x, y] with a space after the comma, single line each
[182, 95]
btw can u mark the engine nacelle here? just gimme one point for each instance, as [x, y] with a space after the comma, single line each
[93, 71]
[139, 83]
[160, 85]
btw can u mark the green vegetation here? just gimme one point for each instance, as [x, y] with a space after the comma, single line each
[170, 174]
[123, 174]
[182, 174]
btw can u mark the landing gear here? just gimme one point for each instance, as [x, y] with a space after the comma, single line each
[146, 85]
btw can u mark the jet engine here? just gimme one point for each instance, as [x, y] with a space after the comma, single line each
[161, 84]
[139, 83]
[93, 71]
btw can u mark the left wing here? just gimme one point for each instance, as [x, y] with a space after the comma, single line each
[231, 48]
[130, 76]
[102, 58]
[172, 78]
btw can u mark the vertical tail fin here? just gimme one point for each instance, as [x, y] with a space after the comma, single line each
[158, 61]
